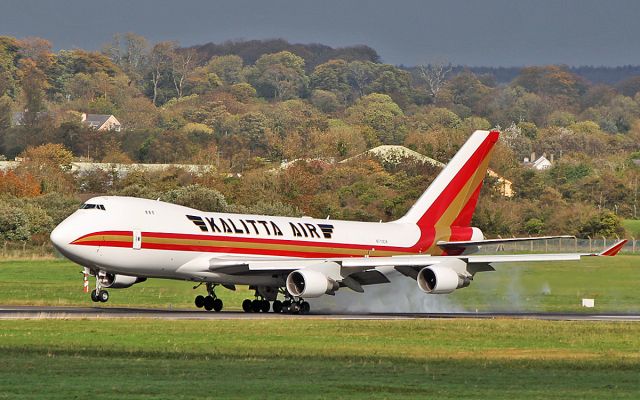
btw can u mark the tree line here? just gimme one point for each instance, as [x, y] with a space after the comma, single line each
[243, 108]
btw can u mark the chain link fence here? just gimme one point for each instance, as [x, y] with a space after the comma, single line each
[21, 250]
[564, 245]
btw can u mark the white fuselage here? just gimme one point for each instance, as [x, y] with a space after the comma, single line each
[147, 238]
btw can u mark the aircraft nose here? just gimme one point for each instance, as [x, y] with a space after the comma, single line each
[61, 237]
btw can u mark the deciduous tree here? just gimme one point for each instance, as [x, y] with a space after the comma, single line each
[280, 76]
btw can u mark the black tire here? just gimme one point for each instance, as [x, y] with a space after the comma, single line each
[286, 306]
[246, 305]
[94, 296]
[199, 301]
[103, 296]
[265, 306]
[304, 308]
[256, 306]
[217, 305]
[277, 306]
[208, 303]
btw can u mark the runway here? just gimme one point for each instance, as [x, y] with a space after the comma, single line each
[98, 312]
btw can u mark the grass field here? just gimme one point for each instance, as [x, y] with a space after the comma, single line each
[444, 359]
[633, 227]
[612, 281]
[288, 358]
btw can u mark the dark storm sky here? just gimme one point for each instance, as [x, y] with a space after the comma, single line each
[489, 32]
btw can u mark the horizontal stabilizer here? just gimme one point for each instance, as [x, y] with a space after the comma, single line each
[612, 250]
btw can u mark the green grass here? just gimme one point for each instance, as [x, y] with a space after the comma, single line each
[613, 282]
[444, 359]
[59, 283]
[633, 227]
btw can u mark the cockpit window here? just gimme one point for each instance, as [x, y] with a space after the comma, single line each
[87, 206]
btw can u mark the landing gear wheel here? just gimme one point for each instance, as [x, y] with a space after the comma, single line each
[256, 305]
[304, 307]
[199, 301]
[277, 306]
[103, 296]
[217, 305]
[94, 296]
[247, 305]
[265, 306]
[208, 303]
[286, 306]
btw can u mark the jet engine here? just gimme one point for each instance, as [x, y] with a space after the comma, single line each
[438, 279]
[307, 283]
[117, 281]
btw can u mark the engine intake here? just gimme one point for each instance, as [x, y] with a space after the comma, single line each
[117, 281]
[440, 280]
[307, 283]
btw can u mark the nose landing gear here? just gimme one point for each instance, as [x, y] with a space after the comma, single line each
[101, 296]
[98, 295]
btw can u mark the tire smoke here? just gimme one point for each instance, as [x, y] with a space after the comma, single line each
[401, 295]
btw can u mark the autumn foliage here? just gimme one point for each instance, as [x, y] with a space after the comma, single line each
[19, 186]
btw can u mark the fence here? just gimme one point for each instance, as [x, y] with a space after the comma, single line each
[565, 245]
[9, 250]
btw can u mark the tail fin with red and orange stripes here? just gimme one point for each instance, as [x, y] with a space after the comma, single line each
[451, 198]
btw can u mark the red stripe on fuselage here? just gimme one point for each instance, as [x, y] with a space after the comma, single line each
[103, 233]
[239, 250]
[242, 250]
[272, 241]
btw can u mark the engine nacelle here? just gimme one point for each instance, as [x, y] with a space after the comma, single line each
[117, 281]
[439, 279]
[307, 283]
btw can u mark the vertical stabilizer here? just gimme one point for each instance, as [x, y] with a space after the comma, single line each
[451, 198]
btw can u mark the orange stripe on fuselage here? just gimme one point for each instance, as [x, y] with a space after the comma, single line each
[234, 245]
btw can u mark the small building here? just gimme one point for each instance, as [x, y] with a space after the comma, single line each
[540, 164]
[101, 122]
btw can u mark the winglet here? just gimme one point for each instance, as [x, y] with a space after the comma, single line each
[614, 249]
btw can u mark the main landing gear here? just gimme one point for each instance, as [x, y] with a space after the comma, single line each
[261, 303]
[211, 301]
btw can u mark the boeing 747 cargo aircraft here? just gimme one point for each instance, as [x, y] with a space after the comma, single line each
[123, 241]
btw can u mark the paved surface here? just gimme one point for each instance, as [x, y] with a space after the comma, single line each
[98, 312]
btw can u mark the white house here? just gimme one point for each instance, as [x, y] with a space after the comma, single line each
[541, 163]
[101, 122]
[98, 122]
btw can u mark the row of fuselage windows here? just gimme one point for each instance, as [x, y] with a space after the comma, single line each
[88, 206]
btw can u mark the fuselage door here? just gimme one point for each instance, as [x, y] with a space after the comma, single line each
[137, 240]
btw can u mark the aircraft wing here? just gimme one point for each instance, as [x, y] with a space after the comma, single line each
[474, 243]
[366, 266]
[236, 265]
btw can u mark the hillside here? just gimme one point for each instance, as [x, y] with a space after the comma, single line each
[241, 109]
